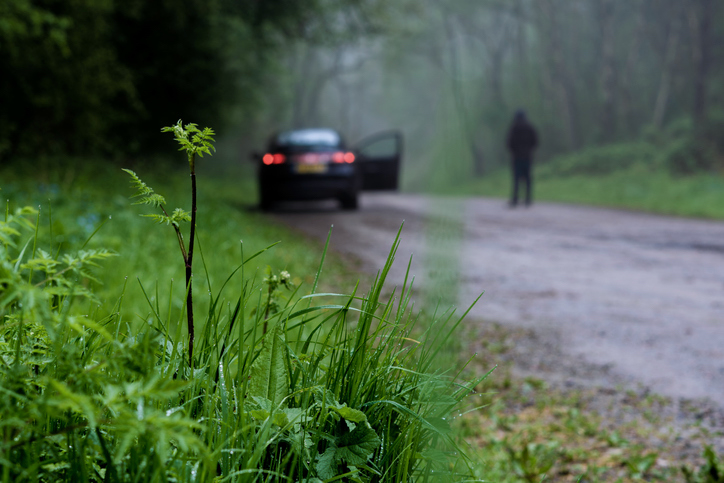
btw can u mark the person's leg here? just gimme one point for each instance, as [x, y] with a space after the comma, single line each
[516, 178]
[514, 173]
[528, 182]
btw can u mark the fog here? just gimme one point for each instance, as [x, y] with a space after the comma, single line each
[450, 75]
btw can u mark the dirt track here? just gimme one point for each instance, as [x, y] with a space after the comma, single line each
[615, 298]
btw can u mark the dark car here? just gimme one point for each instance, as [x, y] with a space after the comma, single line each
[316, 164]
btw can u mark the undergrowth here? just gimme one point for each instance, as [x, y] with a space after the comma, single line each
[282, 385]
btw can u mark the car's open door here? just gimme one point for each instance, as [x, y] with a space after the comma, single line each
[379, 158]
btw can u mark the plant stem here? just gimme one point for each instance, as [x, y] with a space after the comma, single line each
[189, 261]
[179, 237]
[268, 305]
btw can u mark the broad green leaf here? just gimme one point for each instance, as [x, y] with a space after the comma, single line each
[280, 419]
[268, 372]
[259, 414]
[326, 464]
[351, 448]
[354, 415]
[356, 447]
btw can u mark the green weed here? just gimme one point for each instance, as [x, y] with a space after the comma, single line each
[712, 471]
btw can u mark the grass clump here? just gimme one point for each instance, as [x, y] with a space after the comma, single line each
[280, 385]
[636, 184]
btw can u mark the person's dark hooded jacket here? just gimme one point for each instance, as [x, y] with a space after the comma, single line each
[522, 137]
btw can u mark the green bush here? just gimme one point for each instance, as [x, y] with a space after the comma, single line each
[679, 149]
[686, 149]
[600, 160]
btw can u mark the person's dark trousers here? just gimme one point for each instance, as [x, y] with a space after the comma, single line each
[521, 173]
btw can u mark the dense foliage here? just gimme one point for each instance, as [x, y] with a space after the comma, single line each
[85, 76]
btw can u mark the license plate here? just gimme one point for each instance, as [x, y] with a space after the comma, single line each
[311, 168]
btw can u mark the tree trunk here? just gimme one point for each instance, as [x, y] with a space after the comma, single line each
[564, 93]
[522, 48]
[459, 98]
[608, 68]
[700, 26]
[662, 98]
[627, 105]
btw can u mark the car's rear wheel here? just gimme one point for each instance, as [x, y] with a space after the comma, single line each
[265, 201]
[349, 201]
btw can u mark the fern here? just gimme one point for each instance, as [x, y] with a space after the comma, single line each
[177, 216]
[200, 142]
[146, 194]
[194, 141]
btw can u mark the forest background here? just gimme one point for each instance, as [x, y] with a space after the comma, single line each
[644, 78]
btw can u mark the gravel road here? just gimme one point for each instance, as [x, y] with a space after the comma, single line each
[636, 299]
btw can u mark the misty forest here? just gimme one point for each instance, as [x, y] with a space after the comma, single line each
[86, 78]
[229, 344]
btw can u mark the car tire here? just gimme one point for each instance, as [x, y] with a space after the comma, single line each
[265, 202]
[349, 201]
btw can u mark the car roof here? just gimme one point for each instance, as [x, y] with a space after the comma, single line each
[309, 137]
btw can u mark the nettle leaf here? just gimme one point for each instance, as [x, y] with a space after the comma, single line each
[280, 419]
[260, 414]
[326, 399]
[268, 372]
[354, 415]
[327, 464]
[352, 448]
[356, 447]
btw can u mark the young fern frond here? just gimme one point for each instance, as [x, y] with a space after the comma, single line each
[177, 216]
[200, 142]
[180, 215]
[154, 200]
[146, 194]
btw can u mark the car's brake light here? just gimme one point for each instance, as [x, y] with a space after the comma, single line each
[340, 157]
[277, 158]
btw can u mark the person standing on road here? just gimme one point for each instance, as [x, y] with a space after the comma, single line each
[522, 140]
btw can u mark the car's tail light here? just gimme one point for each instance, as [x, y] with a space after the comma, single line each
[276, 158]
[340, 157]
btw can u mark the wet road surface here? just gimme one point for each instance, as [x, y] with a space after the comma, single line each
[641, 296]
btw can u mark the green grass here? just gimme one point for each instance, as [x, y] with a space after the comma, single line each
[285, 384]
[149, 254]
[634, 188]
[101, 392]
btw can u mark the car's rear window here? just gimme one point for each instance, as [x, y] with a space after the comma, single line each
[309, 139]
